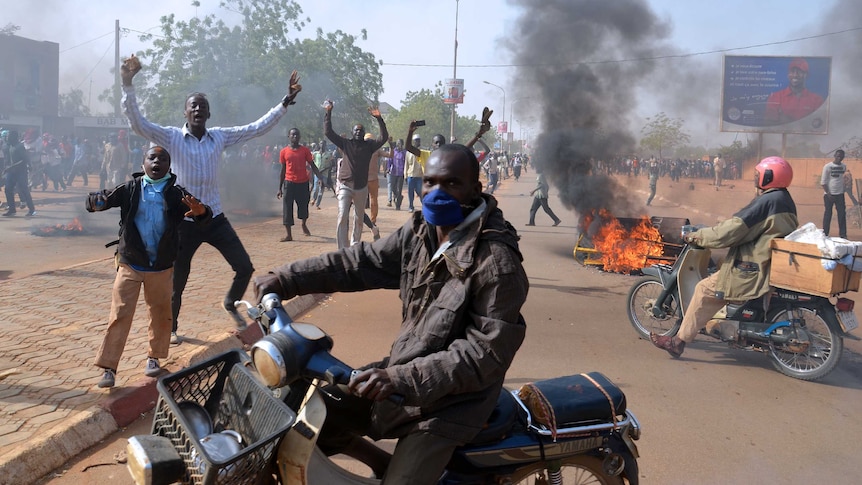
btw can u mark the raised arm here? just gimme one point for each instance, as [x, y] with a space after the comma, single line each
[408, 144]
[484, 127]
[140, 125]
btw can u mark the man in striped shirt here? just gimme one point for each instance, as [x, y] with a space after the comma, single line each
[195, 156]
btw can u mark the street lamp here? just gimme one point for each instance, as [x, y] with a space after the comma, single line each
[503, 114]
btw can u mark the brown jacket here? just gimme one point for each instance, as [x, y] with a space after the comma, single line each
[461, 318]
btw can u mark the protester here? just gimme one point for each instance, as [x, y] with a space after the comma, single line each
[295, 160]
[353, 170]
[152, 208]
[16, 176]
[196, 158]
[540, 198]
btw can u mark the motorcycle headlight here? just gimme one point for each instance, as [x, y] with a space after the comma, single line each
[276, 360]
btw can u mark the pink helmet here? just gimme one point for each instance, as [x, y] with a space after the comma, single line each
[773, 173]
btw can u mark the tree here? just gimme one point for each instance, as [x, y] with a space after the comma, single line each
[244, 69]
[72, 104]
[428, 105]
[663, 134]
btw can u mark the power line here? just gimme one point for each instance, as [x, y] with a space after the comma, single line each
[97, 64]
[87, 42]
[634, 59]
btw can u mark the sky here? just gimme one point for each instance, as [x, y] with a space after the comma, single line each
[415, 41]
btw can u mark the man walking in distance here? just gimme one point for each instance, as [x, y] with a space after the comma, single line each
[832, 181]
[195, 159]
[16, 175]
[295, 159]
[352, 180]
[395, 169]
[540, 199]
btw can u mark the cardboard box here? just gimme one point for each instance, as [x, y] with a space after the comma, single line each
[796, 266]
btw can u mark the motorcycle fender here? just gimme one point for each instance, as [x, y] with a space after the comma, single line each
[654, 271]
[298, 444]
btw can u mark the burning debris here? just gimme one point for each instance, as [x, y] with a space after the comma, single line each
[73, 228]
[625, 245]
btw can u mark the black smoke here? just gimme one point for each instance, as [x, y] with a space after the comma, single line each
[585, 60]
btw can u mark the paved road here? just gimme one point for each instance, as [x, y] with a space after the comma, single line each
[716, 416]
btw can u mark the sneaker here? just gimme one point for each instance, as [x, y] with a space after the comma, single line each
[175, 339]
[237, 318]
[9, 213]
[375, 232]
[30, 214]
[153, 369]
[108, 378]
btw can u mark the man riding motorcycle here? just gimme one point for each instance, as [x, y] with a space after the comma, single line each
[744, 274]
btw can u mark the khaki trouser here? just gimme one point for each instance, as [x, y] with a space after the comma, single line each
[157, 295]
[373, 192]
[701, 309]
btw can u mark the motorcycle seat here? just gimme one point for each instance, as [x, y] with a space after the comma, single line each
[500, 422]
[577, 399]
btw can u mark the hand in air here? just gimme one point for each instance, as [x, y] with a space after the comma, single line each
[294, 87]
[375, 112]
[129, 68]
[196, 208]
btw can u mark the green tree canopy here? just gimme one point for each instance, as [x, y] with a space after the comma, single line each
[663, 134]
[244, 69]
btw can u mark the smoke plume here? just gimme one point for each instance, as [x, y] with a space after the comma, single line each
[569, 52]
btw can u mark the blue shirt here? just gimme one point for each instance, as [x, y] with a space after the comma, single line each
[150, 217]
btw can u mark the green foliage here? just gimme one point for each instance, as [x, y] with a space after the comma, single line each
[244, 70]
[663, 134]
[428, 105]
[72, 104]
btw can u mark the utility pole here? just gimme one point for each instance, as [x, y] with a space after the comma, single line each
[117, 68]
[454, 75]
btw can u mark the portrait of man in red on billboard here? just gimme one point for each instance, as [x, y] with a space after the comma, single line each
[795, 101]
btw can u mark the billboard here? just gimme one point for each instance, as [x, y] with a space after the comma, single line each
[454, 91]
[767, 94]
[502, 127]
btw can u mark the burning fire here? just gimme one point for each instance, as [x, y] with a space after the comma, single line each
[73, 227]
[624, 250]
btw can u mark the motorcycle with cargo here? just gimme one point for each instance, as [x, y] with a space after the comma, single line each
[801, 323]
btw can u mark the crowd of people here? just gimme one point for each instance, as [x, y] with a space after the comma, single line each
[675, 168]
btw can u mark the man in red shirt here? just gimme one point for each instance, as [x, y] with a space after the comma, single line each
[795, 101]
[295, 160]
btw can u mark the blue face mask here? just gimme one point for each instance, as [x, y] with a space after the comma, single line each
[441, 209]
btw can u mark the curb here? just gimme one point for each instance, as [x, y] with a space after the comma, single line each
[37, 458]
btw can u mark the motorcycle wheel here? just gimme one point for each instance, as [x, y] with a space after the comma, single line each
[576, 470]
[641, 300]
[823, 353]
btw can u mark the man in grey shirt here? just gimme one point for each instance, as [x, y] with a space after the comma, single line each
[832, 181]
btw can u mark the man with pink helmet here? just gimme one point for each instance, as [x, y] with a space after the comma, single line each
[744, 273]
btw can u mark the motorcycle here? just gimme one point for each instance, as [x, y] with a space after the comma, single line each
[802, 333]
[590, 438]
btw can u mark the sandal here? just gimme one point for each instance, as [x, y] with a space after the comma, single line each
[668, 343]
[285, 239]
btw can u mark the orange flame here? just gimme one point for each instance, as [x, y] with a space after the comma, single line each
[625, 250]
[74, 226]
